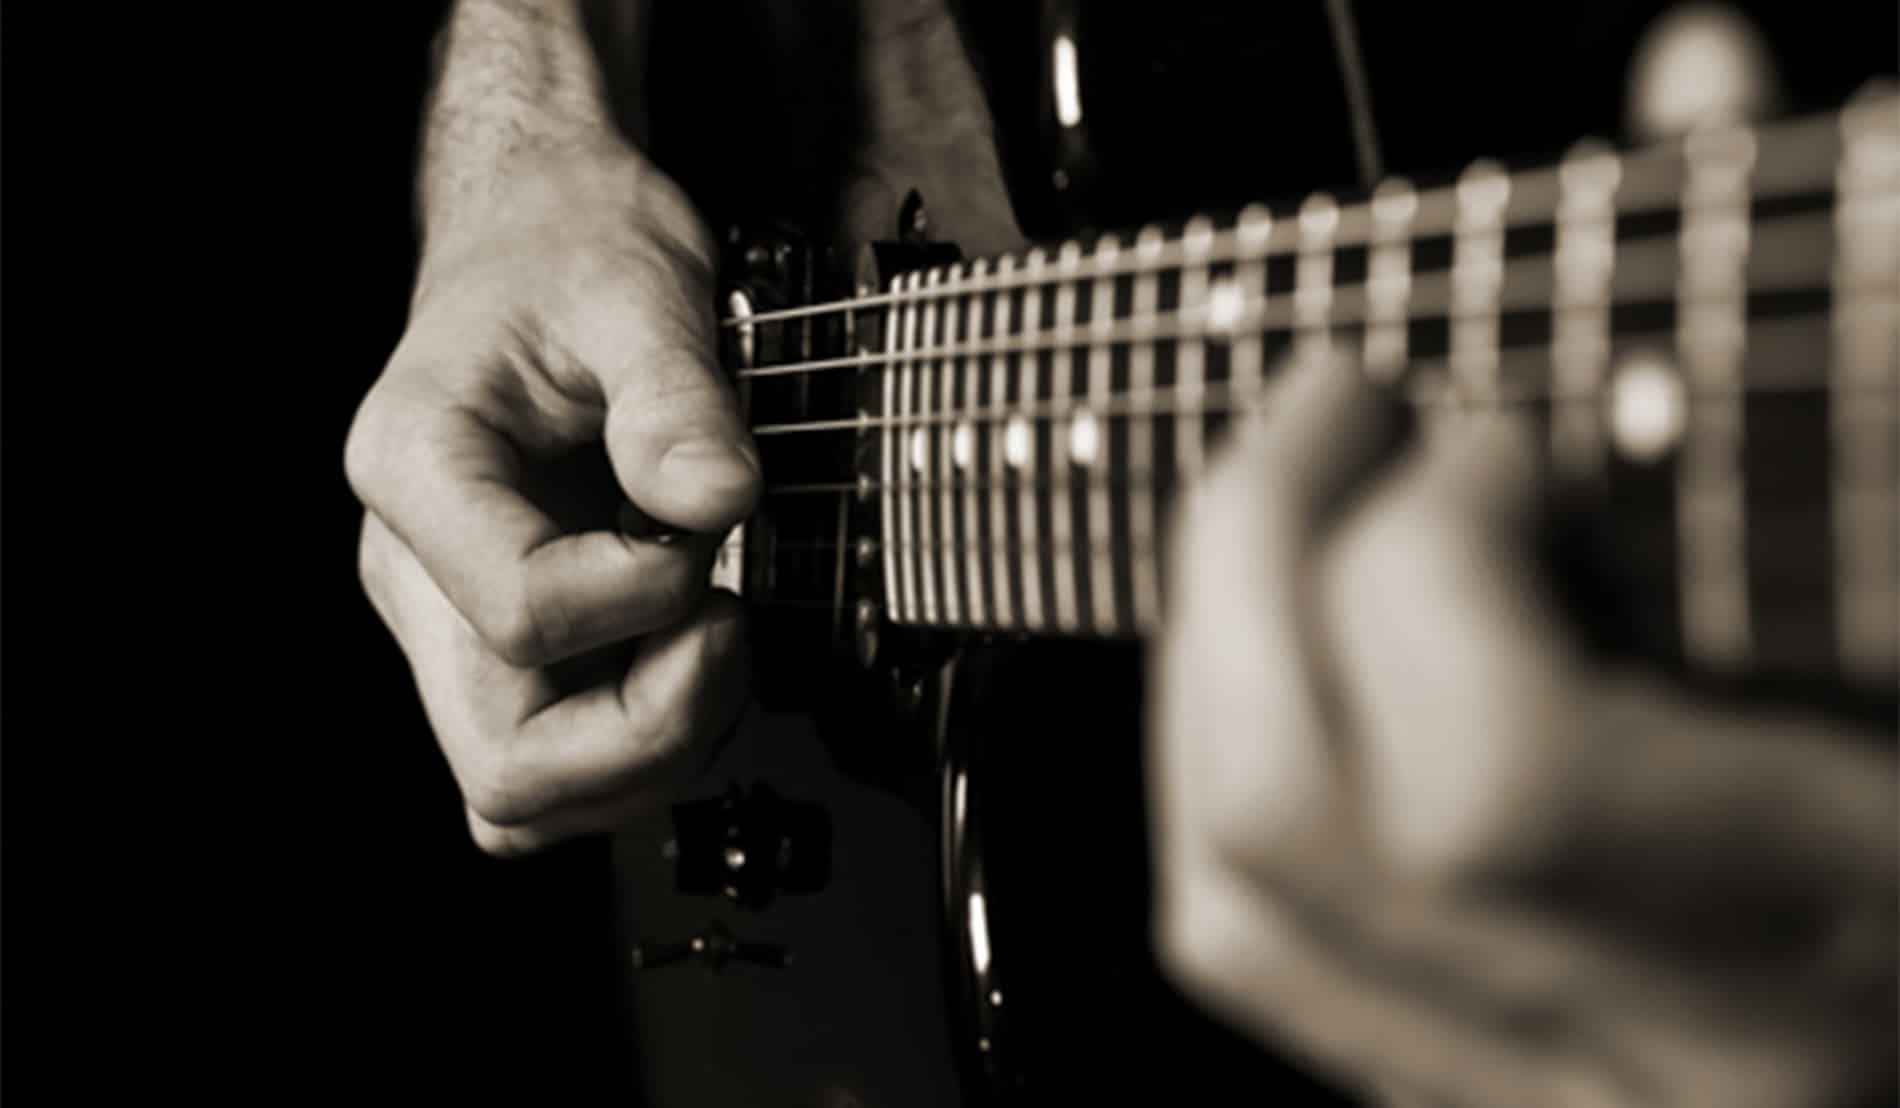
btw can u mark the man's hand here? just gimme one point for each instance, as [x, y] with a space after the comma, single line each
[564, 302]
[1408, 828]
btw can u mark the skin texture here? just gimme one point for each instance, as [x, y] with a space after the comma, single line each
[1405, 828]
[562, 310]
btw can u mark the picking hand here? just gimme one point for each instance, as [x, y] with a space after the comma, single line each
[568, 306]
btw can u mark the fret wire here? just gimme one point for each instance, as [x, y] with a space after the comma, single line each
[964, 455]
[1388, 286]
[1140, 432]
[1062, 572]
[1581, 334]
[924, 441]
[1001, 321]
[906, 400]
[1711, 504]
[888, 459]
[1190, 357]
[1101, 388]
[942, 504]
[921, 441]
[1312, 299]
[1864, 438]
[1652, 184]
[1477, 277]
[1023, 438]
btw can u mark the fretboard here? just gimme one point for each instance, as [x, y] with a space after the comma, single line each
[1705, 331]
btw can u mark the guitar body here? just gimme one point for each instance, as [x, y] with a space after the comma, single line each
[860, 1015]
[980, 931]
[883, 1001]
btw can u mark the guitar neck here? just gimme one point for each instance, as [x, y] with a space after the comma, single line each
[1706, 330]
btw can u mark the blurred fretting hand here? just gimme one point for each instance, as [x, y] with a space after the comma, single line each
[1405, 827]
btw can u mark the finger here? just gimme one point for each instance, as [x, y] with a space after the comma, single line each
[1244, 956]
[519, 748]
[686, 685]
[1764, 834]
[584, 817]
[1419, 1022]
[1466, 712]
[679, 446]
[446, 476]
[516, 840]
[1239, 723]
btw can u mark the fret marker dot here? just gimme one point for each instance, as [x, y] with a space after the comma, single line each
[919, 449]
[1225, 305]
[1085, 438]
[963, 446]
[1016, 442]
[1649, 408]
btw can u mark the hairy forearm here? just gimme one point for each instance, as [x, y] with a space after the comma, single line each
[525, 79]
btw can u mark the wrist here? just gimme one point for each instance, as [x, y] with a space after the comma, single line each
[555, 218]
[519, 101]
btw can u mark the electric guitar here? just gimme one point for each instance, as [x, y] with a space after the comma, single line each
[917, 874]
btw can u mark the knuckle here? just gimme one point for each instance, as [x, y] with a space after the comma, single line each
[364, 452]
[681, 400]
[651, 723]
[672, 592]
[500, 791]
[1194, 951]
[521, 629]
[494, 841]
[1437, 849]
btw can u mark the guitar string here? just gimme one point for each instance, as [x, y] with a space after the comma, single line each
[1084, 545]
[1120, 480]
[1523, 289]
[1433, 384]
[1428, 296]
[1436, 214]
[1043, 267]
[973, 546]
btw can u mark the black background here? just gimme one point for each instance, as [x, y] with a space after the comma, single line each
[235, 862]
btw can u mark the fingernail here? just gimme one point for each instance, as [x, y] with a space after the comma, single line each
[719, 463]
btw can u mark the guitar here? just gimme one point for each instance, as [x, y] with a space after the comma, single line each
[900, 884]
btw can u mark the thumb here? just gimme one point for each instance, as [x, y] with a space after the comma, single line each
[674, 434]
